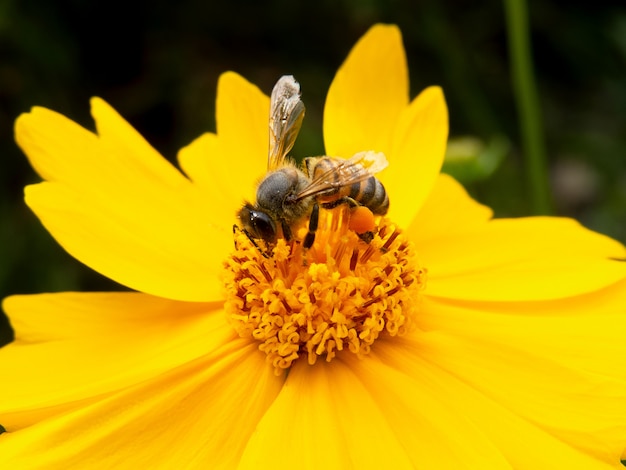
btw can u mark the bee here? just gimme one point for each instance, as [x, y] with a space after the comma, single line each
[288, 195]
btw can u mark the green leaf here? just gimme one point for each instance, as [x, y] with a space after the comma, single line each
[470, 159]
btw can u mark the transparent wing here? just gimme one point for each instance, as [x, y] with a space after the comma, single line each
[345, 173]
[286, 114]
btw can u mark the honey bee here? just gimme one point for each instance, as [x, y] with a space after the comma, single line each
[288, 195]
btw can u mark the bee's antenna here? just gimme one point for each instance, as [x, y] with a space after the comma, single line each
[237, 228]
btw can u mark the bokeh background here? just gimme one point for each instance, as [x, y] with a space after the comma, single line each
[157, 63]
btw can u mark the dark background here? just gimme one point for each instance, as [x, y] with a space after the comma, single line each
[158, 64]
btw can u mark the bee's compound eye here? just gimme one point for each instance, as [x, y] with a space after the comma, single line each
[264, 226]
[258, 224]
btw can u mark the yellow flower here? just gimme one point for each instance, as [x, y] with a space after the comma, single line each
[507, 352]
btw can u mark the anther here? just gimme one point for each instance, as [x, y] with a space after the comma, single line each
[332, 305]
[354, 258]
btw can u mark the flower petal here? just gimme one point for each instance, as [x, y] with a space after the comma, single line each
[242, 113]
[368, 95]
[495, 429]
[71, 348]
[419, 146]
[434, 434]
[325, 418]
[448, 210]
[161, 249]
[547, 376]
[122, 214]
[195, 405]
[533, 258]
[61, 150]
[228, 166]
[198, 160]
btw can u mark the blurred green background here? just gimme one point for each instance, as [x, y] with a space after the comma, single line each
[158, 65]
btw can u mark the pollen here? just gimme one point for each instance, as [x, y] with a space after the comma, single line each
[338, 297]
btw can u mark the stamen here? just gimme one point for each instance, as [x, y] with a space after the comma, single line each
[323, 302]
[354, 258]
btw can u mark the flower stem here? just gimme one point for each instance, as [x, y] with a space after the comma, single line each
[528, 105]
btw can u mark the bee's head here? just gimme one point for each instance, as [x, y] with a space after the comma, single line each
[257, 223]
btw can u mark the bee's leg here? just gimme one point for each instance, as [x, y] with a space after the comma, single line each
[367, 237]
[342, 200]
[286, 230]
[236, 228]
[313, 221]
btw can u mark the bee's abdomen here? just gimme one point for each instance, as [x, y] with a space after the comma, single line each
[372, 194]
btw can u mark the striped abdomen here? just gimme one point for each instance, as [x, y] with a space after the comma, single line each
[369, 192]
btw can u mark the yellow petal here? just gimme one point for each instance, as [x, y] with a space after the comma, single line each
[448, 210]
[199, 415]
[61, 150]
[434, 434]
[130, 153]
[203, 160]
[129, 216]
[419, 145]
[72, 348]
[226, 166]
[198, 160]
[368, 95]
[155, 246]
[242, 112]
[551, 373]
[534, 258]
[324, 417]
[495, 430]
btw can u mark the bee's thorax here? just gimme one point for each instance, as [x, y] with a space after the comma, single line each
[276, 194]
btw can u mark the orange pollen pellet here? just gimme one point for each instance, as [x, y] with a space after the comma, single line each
[362, 220]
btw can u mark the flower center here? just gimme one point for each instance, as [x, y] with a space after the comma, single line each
[340, 295]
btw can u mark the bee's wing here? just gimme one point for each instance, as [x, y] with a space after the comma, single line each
[345, 173]
[286, 114]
